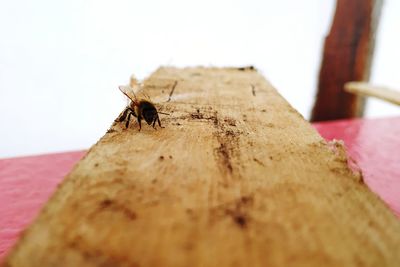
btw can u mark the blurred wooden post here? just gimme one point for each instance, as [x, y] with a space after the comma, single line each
[347, 57]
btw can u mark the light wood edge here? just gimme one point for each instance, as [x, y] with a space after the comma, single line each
[367, 89]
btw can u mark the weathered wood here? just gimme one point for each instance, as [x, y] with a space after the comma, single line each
[347, 57]
[381, 92]
[236, 178]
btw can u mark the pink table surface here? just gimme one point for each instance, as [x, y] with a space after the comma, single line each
[25, 185]
[375, 146]
[27, 182]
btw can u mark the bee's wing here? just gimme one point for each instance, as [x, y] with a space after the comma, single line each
[128, 91]
[136, 91]
[141, 93]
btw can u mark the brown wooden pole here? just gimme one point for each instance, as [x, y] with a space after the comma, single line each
[347, 57]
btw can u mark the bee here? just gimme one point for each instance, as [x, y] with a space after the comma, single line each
[140, 106]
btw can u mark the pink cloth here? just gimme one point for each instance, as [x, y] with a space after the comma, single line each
[27, 182]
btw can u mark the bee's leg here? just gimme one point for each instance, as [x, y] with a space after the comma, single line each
[123, 117]
[154, 123]
[127, 121]
[159, 122]
[139, 119]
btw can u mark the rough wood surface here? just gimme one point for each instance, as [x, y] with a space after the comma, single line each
[347, 57]
[236, 178]
[367, 89]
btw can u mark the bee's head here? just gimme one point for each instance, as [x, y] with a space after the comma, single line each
[149, 115]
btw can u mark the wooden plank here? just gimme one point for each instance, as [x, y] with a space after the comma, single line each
[347, 56]
[367, 89]
[236, 178]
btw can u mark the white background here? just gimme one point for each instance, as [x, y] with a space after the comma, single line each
[61, 61]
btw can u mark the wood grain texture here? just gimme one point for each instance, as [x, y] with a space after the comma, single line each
[236, 178]
[347, 56]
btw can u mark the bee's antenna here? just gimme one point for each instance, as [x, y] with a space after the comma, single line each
[164, 113]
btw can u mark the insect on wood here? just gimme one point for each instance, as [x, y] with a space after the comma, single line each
[139, 106]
